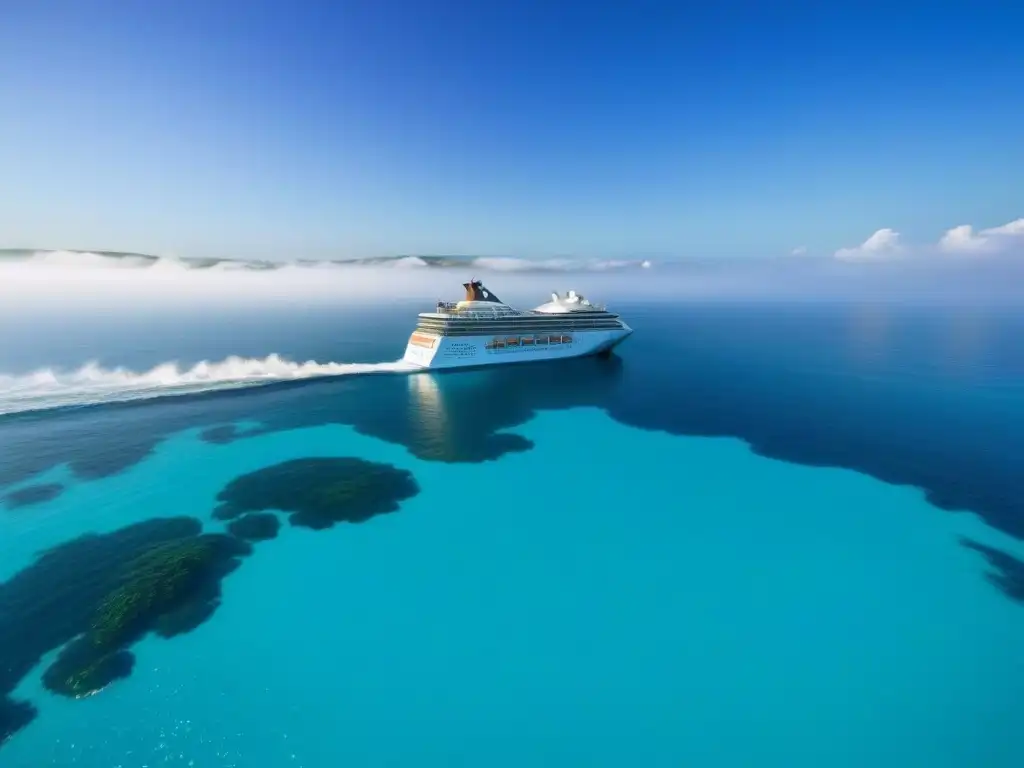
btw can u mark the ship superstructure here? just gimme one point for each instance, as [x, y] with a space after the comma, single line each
[483, 330]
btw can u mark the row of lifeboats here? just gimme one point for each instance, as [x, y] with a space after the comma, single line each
[527, 341]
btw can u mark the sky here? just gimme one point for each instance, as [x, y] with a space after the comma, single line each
[644, 129]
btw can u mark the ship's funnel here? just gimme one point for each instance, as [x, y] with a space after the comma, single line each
[475, 291]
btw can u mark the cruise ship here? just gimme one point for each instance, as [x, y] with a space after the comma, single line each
[483, 330]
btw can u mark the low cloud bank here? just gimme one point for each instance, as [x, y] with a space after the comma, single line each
[1004, 240]
[883, 268]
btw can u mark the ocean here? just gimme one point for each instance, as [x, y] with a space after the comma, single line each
[766, 533]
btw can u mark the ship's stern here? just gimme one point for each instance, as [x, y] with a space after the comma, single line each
[421, 349]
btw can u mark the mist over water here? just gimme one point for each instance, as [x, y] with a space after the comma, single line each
[46, 282]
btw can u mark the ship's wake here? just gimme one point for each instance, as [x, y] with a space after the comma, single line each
[92, 384]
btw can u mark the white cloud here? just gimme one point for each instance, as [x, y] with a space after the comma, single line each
[963, 239]
[882, 244]
[800, 250]
[1014, 229]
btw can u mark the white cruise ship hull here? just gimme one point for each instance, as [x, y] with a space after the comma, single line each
[434, 351]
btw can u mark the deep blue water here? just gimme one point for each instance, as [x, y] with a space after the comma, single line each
[761, 534]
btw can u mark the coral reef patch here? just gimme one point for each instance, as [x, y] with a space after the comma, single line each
[82, 668]
[160, 580]
[319, 492]
[94, 596]
[255, 526]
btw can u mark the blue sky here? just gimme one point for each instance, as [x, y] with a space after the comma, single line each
[290, 129]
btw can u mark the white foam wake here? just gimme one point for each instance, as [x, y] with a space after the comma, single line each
[92, 384]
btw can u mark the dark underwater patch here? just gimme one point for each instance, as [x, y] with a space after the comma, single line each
[14, 715]
[255, 526]
[1007, 574]
[319, 492]
[81, 668]
[33, 494]
[92, 444]
[220, 434]
[161, 579]
[94, 596]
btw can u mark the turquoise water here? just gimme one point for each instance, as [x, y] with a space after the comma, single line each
[613, 596]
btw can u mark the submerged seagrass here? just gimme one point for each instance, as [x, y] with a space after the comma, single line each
[95, 595]
[255, 526]
[319, 492]
[159, 581]
[81, 668]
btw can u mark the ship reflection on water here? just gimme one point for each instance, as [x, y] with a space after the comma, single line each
[465, 416]
[429, 422]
